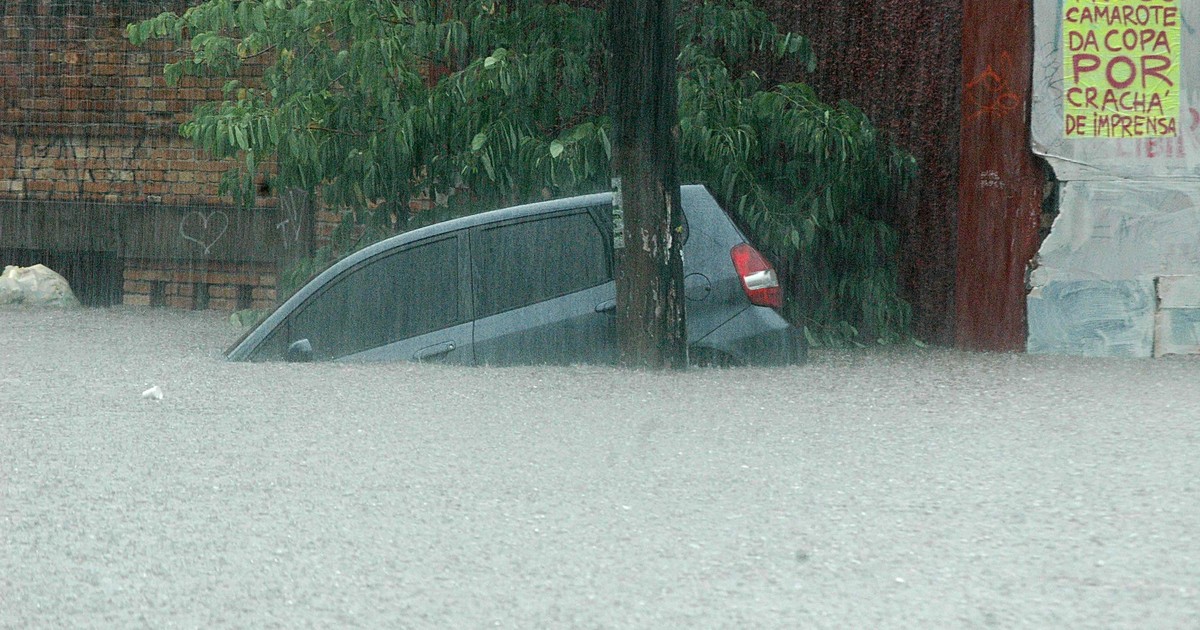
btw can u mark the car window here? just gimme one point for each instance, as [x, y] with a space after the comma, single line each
[518, 264]
[275, 345]
[387, 299]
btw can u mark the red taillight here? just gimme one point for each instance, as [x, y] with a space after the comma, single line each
[758, 276]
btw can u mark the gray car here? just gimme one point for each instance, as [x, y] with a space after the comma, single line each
[529, 284]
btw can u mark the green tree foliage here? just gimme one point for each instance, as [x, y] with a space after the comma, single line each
[370, 103]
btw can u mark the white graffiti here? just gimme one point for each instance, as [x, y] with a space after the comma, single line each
[205, 230]
[991, 179]
[292, 226]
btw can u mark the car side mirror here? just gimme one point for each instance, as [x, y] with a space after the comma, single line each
[300, 352]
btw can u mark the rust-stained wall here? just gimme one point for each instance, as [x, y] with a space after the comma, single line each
[899, 61]
[1001, 183]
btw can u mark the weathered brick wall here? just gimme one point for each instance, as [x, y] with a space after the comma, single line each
[218, 286]
[136, 167]
[66, 64]
[88, 121]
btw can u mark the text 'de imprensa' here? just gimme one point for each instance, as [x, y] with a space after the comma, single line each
[1121, 68]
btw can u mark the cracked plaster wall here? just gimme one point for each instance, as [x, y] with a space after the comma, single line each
[1119, 274]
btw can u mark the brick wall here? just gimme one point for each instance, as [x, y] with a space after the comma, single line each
[215, 285]
[133, 168]
[66, 65]
[87, 119]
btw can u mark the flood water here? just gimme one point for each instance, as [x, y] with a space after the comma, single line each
[886, 488]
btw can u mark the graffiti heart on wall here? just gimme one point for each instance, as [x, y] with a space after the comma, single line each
[204, 229]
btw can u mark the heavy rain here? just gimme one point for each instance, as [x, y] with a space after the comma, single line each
[598, 313]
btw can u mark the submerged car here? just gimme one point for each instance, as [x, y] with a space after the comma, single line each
[529, 284]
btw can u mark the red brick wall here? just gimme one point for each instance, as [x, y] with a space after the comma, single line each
[228, 286]
[63, 66]
[150, 168]
[86, 118]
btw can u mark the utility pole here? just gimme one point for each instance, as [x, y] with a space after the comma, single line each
[647, 217]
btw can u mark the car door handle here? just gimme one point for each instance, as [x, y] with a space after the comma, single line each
[436, 350]
[609, 306]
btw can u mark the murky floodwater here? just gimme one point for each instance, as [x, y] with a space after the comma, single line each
[881, 489]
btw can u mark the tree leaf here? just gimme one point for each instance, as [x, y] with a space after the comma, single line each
[478, 141]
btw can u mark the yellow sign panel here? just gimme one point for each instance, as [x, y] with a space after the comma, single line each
[1121, 68]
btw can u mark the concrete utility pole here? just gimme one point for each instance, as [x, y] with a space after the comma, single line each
[647, 214]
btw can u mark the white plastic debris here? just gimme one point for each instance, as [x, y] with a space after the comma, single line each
[35, 286]
[154, 393]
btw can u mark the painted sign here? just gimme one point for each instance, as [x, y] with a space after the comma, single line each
[1121, 68]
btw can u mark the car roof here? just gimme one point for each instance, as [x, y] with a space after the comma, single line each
[470, 221]
[481, 218]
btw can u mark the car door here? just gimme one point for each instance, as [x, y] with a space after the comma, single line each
[543, 290]
[408, 304]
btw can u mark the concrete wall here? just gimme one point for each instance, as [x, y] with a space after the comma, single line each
[1119, 274]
